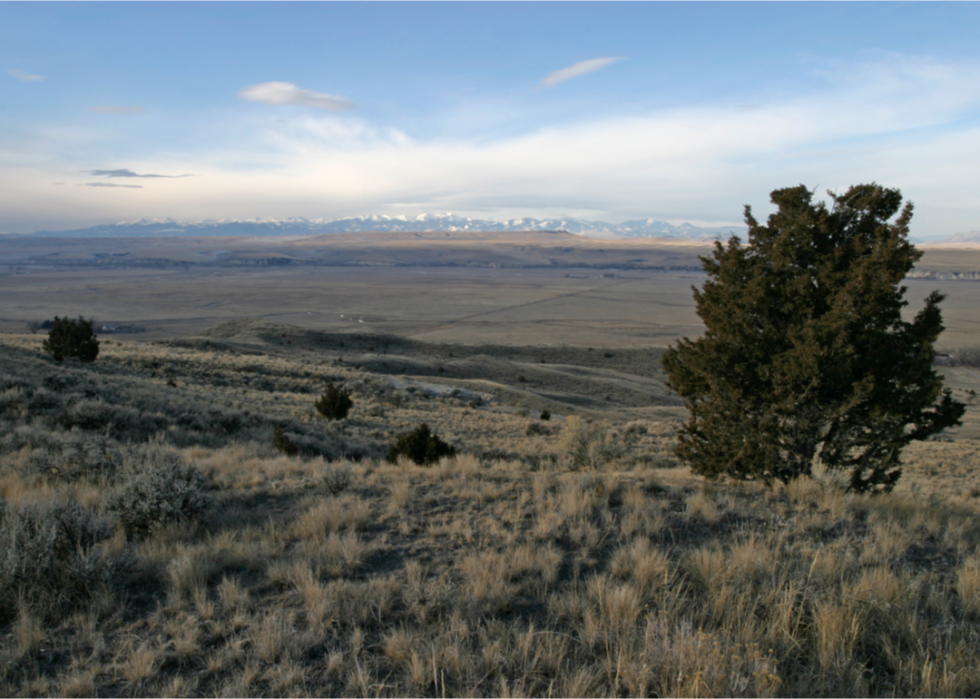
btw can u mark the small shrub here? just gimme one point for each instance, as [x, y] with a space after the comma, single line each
[72, 338]
[545, 414]
[13, 401]
[536, 428]
[663, 461]
[51, 560]
[282, 442]
[585, 446]
[969, 355]
[44, 401]
[421, 445]
[635, 429]
[158, 488]
[335, 403]
[335, 478]
[73, 456]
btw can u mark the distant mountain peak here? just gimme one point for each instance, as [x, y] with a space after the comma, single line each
[448, 222]
[967, 238]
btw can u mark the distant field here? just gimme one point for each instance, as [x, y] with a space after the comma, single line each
[516, 289]
[442, 304]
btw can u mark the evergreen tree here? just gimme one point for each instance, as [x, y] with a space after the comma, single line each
[72, 338]
[421, 445]
[805, 356]
[335, 403]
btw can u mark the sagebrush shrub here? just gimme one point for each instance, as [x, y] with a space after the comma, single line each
[969, 355]
[72, 338]
[43, 401]
[536, 428]
[158, 488]
[335, 403]
[13, 401]
[72, 456]
[421, 445]
[51, 559]
[335, 478]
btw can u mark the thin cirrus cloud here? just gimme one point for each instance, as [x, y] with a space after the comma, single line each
[129, 173]
[116, 109]
[110, 184]
[278, 93]
[26, 77]
[577, 69]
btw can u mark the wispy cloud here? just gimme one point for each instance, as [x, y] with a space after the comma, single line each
[577, 69]
[287, 93]
[110, 184]
[26, 77]
[895, 120]
[116, 109]
[129, 173]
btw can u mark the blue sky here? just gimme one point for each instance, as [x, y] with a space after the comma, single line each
[605, 111]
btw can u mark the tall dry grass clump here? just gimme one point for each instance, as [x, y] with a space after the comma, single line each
[584, 445]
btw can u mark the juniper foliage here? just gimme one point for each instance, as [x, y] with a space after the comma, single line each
[421, 445]
[72, 338]
[805, 356]
[335, 403]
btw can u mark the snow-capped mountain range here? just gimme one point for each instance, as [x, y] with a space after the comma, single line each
[968, 238]
[422, 222]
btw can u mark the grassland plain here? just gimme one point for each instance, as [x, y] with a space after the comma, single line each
[561, 557]
[463, 288]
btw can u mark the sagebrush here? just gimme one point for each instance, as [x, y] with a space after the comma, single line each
[158, 488]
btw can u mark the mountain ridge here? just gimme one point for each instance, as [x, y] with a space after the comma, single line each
[640, 228]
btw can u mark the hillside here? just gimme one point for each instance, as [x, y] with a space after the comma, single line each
[523, 565]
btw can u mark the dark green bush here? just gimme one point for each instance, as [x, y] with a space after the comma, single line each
[420, 445]
[72, 338]
[158, 488]
[282, 442]
[51, 560]
[545, 415]
[335, 403]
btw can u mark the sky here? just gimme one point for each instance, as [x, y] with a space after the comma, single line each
[682, 112]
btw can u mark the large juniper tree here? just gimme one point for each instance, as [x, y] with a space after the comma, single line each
[805, 356]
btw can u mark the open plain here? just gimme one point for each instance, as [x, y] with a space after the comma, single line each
[511, 288]
[282, 554]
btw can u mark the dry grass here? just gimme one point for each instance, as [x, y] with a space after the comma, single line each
[498, 572]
